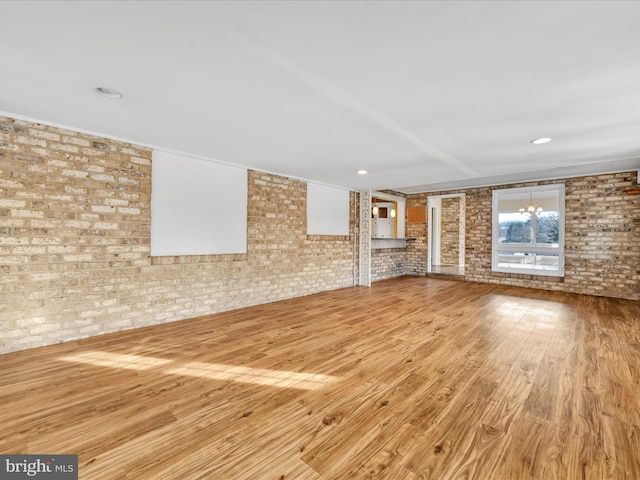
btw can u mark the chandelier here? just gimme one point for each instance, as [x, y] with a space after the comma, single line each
[531, 208]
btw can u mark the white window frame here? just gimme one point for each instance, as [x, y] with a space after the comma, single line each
[532, 248]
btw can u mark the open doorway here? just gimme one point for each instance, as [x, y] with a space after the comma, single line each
[388, 216]
[445, 234]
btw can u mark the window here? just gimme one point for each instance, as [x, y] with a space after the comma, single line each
[528, 230]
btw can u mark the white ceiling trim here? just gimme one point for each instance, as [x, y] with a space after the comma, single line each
[158, 148]
[600, 168]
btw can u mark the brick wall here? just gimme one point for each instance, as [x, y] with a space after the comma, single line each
[390, 262]
[602, 237]
[416, 263]
[387, 263]
[75, 226]
[75, 243]
[450, 230]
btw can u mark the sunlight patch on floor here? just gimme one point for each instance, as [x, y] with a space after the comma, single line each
[260, 376]
[214, 371]
[116, 360]
[544, 314]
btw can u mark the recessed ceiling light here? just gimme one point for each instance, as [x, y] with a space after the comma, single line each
[539, 141]
[109, 92]
[362, 172]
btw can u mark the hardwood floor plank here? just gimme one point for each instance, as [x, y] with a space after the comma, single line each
[619, 398]
[546, 389]
[482, 454]
[413, 379]
[509, 399]
[534, 451]
[357, 428]
[617, 441]
[454, 431]
[587, 459]
[382, 457]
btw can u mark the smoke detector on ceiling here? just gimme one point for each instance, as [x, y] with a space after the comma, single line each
[109, 92]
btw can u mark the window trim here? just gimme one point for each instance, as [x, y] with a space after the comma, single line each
[497, 247]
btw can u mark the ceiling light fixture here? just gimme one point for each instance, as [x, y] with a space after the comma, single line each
[362, 172]
[109, 92]
[531, 208]
[540, 141]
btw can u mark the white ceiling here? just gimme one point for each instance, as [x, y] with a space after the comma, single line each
[423, 95]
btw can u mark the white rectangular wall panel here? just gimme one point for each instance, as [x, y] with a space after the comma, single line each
[327, 210]
[198, 207]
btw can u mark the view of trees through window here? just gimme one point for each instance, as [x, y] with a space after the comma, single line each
[528, 230]
[517, 228]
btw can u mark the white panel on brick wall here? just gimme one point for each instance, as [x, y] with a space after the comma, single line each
[198, 207]
[327, 210]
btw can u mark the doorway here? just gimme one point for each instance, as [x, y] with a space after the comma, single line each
[445, 234]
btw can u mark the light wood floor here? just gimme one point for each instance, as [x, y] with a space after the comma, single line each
[415, 378]
[448, 269]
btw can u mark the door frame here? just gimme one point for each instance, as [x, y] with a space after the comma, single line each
[433, 202]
